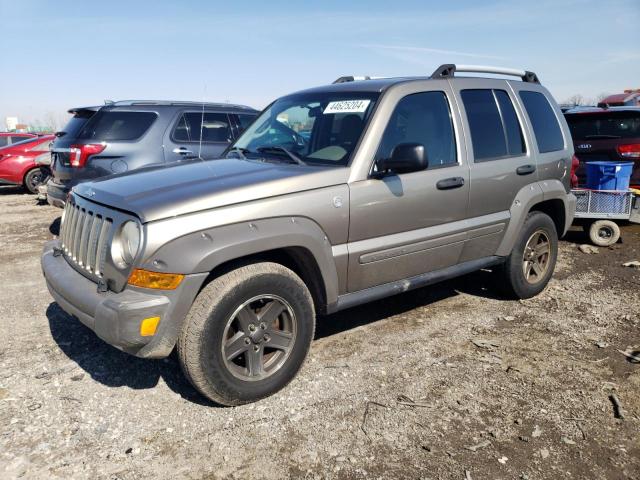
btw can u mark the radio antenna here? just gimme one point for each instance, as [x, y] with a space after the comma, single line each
[204, 92]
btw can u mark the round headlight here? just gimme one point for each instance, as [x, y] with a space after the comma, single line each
[126, 244]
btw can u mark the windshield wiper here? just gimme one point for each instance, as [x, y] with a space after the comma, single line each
[277, 148]
[240, 151]
[602, 136]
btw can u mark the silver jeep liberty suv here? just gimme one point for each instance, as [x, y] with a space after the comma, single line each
[332, 197]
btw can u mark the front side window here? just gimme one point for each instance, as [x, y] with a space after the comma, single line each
[423, 118]
[316, 128]
[4, 141]
[543, 120]
[117, 125]
[495, 130]
[214, 127]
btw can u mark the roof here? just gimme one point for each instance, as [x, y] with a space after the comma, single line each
[446, 71]
[620, 97]
[171, 103]
[579, 110]
[375, 85]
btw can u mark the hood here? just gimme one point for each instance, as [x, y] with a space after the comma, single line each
[154, 193]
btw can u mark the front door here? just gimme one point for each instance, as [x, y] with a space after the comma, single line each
[402, 225]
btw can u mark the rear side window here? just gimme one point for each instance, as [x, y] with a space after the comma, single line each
[543, 120]
[214, 127]
[245, 121]
[117, 125]
[4, 141]
[17, 139]
[423, 118]
[495, 130]
[609, 125]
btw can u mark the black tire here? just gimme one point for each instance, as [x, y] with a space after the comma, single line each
[207, 328]
[604, 233]
[34, 178]
[515, 283]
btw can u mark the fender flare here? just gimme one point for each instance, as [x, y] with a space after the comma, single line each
[525, 200]
[204, 250]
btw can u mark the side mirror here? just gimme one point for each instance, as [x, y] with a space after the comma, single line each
[405, 158]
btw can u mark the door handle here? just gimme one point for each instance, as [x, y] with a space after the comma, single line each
[525, 169]
[449, 183]
[182, 151]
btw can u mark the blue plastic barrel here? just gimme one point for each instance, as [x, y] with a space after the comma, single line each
[609, 175]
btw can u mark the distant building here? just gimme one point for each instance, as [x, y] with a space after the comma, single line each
[630, 98]
[11, 123]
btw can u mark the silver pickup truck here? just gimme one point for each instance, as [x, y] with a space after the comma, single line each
[332, 197]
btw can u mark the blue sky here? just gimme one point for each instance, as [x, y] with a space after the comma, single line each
[59, 54]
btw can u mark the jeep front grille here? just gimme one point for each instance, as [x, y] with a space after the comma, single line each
[84, 235]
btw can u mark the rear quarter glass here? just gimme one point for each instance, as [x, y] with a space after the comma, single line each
[546, 127]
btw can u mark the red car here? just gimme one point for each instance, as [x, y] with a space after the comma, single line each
[18, 162]
[7, 138]
[606, 134]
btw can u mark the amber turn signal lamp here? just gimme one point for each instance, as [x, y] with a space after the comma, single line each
[157, 280]
[148, 326]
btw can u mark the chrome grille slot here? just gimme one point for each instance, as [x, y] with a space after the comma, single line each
[84, 235]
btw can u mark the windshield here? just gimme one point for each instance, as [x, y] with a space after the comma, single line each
[604, 125]
[311, 129]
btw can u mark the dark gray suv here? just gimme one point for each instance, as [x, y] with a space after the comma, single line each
[125, 135]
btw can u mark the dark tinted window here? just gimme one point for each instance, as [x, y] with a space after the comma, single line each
[515, 139]
[543, 120]
[586, 126]
[245, 121]
[495, 129]
[18, 138]
[76, 122]
[422, 118]
[214, 126]
[117, 125]
[487, 134]
[4, 141]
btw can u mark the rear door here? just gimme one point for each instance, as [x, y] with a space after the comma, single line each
[501, 160]
[182, 140]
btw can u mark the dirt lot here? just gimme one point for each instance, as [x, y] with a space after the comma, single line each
[445, 382]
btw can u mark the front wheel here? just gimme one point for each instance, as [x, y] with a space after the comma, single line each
[247, 334]
[529, 267]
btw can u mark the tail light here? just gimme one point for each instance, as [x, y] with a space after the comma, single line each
[79, 154]
[629, 151]
[575, 163]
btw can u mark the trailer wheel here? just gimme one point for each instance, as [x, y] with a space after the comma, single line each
[604, 233]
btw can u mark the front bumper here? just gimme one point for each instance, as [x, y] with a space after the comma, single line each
[116, 317]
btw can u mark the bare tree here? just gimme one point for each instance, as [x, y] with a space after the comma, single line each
[576, 99]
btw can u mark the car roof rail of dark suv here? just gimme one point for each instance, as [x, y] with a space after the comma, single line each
[355, 78]
[126, 103]
[449, 69]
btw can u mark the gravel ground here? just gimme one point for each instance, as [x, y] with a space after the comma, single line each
[444, 382]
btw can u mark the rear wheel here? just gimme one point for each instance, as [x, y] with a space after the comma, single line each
[604, 233]
[34, 178]
[247, 334]
[529, 267]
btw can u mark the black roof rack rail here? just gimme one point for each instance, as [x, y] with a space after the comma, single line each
[175, 103]
[449, 69]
